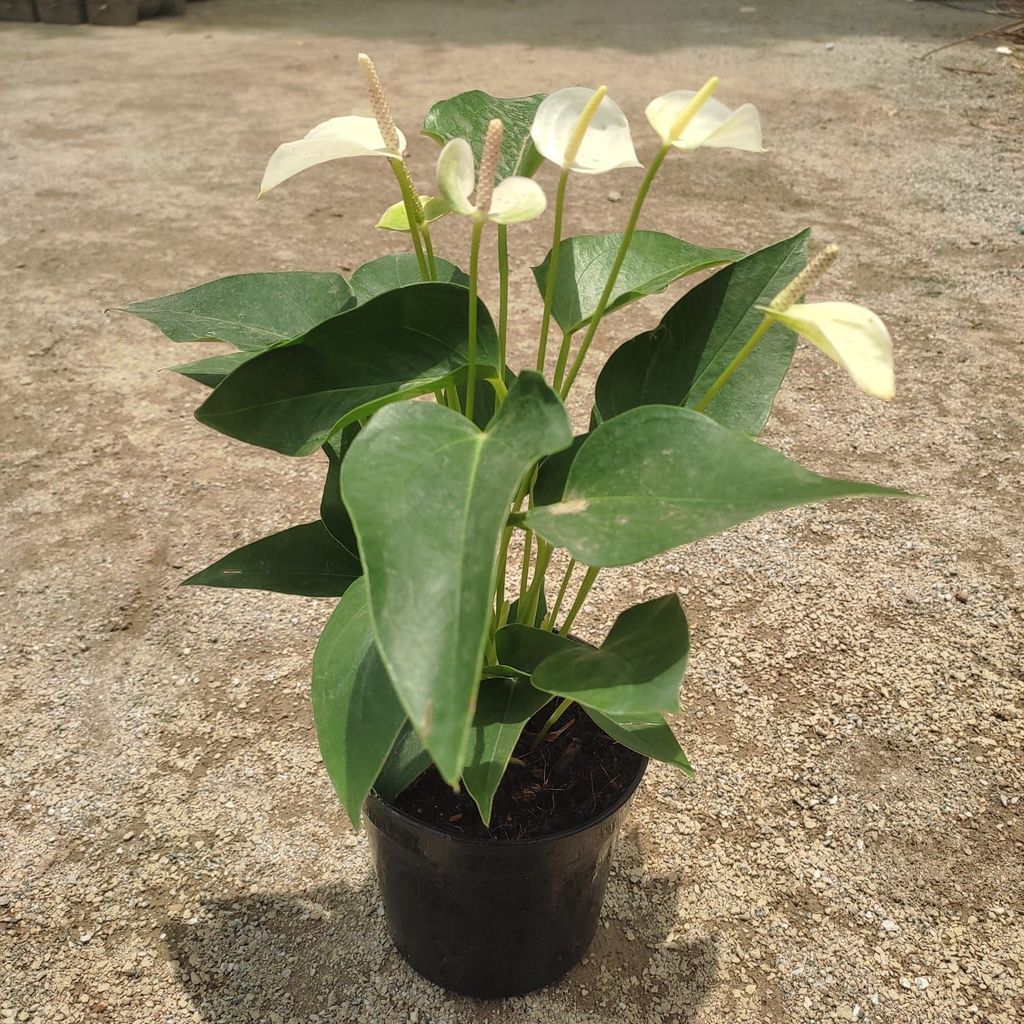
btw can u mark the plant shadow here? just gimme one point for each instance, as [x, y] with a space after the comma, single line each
[323, 953]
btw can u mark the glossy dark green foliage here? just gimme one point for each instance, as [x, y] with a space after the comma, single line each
[680, 359]
[658, 477]
[403, 343]
[467, 115]
[407, 761]
[653, 262]
[649, 735]
[333, 513]
[637, 670]
[213, 370]
[304, 560]
[503, 708]
[398, 270]
[357, 715]
[250, 311]
[430, 552]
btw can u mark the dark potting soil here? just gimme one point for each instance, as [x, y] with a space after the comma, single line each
[571, 777]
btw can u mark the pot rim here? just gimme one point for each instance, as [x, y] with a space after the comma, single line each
[512, 844]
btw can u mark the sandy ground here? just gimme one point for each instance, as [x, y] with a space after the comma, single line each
[852, 847]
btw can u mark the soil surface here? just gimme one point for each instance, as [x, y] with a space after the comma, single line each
[574, 774]
[852, 847]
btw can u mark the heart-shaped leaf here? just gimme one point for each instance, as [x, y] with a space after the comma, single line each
[653, 262]
[657, 477]
[355, 709]
[649, 735]
[401, 344]
[249, 311]
[467, 116]
[399, 270]
[637, 670]
[302, 560]
[525, 647]
[698, 337]
[503, 708]
[429, 495]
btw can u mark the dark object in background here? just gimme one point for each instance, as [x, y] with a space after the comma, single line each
[61, 12]
[18, 10]
[113, 12]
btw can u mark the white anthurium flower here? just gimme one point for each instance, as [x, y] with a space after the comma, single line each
[714, 124]
[851, 336]
[513, 199]
[605, 145]
[335, 139]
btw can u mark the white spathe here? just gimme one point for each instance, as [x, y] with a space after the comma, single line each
[714, 124]
[606, 144]
[351, 135]
[514, 199]
[851, 336]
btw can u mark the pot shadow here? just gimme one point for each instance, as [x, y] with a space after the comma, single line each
[324, 952]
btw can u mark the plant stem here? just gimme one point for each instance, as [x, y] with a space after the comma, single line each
[549, 289]
[581, 596]
[429, 245]
[555, 715]
[727, 373]
[549, 619]
[532, 600]
[474, 273]
[613, 276]
[502, 298]
[411, 201]
[563, 355]
[524, 570]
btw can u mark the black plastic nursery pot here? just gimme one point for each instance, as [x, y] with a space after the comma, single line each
[492, 918]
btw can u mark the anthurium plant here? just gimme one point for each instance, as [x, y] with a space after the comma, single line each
[454, 485]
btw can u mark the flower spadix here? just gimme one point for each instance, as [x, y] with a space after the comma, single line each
[689, 120]
[340, 137]
[583, 130]
[511, 201]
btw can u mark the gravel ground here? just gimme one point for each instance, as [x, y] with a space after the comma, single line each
[852, 846]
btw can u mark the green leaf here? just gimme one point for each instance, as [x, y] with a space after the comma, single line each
[653, 262]
[355, 709]
[399, 270]
[649, 735]
[467, 116]
[333, 513]
[302, 560]
[249, 311]
[429, 495]
[538, 615]
[396, 217]
[657, 477]
[213, 370]
[680, 359]
[554, 471]
[401, 344]
[407, 761]
[525, 647]
[504, 706]
[637, 670]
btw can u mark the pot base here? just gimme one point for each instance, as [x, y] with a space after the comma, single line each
[487, 918]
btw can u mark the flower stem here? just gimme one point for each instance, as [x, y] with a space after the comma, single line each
[733, 366]
[549, 289]
[620, 256]
[429, 246]
[474, 273]
[502, 298]
[532, 599]
[549, 619]
[524, 569]
[581, 596]
[412, 212]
